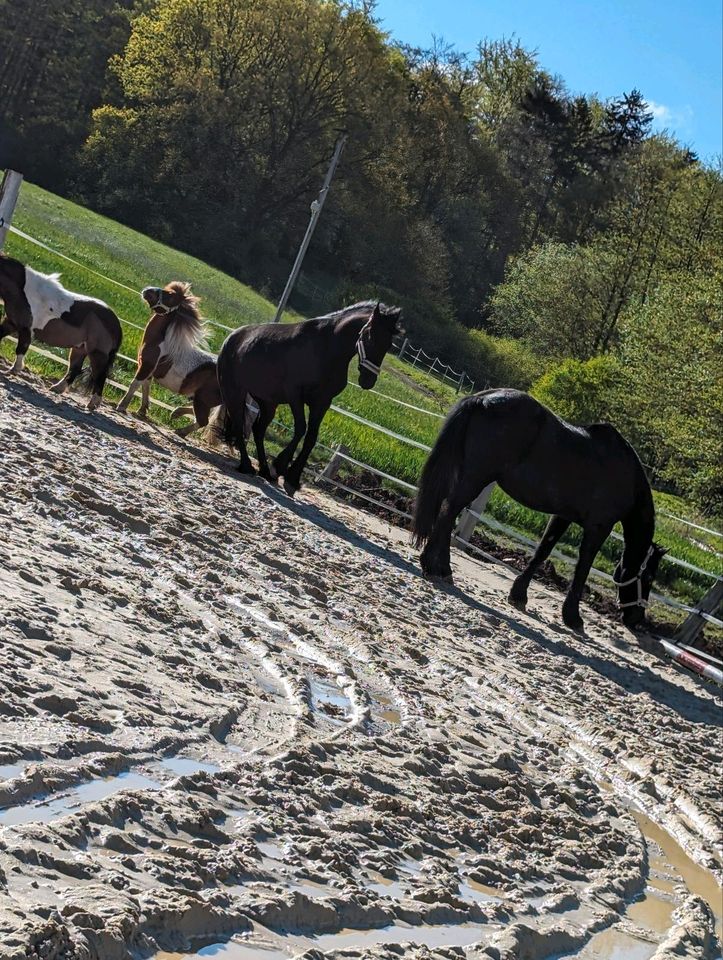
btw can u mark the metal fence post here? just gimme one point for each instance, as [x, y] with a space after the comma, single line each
[468, 521]
[404, 347]
[316, 208]
[9, 190]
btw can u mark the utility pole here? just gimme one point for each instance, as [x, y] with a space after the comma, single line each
[316, 208]
[9, 190]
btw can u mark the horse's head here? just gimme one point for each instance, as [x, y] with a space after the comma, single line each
[169, 298]
[12, 276]
[634, 585]
[374, 341]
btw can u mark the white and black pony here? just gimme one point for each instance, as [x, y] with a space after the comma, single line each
[38, 305]
[590, 476]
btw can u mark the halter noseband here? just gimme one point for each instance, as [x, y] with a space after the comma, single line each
[160, 306]
[363, 362]
[638, 579]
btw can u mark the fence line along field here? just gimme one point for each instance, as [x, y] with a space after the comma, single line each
[406, 402]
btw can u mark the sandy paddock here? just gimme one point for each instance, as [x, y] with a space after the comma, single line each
[224, 714]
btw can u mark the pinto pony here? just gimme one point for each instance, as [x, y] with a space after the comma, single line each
[38, 305]
[171, 354]
[590, 476]
[303, 365]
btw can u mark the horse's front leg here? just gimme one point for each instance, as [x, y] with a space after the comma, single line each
[555, 529]
[592, 539]
[282, 461]
[147, 360]
[24, 335]
[145, 399]
[292, 478]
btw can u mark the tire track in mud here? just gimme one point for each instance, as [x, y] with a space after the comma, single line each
[317, 813]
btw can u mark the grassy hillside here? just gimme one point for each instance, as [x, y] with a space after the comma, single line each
[135, 261]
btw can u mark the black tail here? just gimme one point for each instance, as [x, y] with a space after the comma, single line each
[229, 426]
[441, 471]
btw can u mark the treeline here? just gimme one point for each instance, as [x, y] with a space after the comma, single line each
[518, 224]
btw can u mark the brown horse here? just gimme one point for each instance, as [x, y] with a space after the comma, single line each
[170, 353]
[38, 305]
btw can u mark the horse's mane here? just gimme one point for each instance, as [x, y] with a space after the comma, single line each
[363, 308]
[186, 327]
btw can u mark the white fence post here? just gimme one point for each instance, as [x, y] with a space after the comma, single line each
[467, 522]
[9, 190]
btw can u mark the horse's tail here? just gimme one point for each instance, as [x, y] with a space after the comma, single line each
[229, 425]
[441, 471]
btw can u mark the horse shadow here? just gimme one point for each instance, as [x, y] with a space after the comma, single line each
[631, 677]
[65, 408]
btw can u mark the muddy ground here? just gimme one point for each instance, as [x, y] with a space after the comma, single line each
[231, 718]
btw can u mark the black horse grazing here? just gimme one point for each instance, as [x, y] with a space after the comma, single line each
[585, 475]
[301, 364]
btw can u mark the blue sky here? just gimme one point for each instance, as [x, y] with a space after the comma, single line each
[668, 49]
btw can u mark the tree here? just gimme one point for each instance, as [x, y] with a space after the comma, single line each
[672, 356]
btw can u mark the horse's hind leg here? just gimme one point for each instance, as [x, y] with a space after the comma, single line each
[555, 529]
[100, 365]
[435, 559]
[75, 366]
[260, 426]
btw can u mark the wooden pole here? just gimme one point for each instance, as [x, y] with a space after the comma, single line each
[468, 520]
[9, 190]
[316, 208]
[332, 468]
[694, 623]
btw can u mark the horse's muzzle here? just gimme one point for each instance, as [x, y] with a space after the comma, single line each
[633, 617]
[151, 295]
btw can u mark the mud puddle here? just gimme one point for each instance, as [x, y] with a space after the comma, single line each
[328, 699]
[269, 946]
[8, 771]
[616, 944]
[70, 801]
[670, 865]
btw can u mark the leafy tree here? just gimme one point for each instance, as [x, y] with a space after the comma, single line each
[672, 356]
[52, 74]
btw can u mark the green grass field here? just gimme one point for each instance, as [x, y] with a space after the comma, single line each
[134, 260]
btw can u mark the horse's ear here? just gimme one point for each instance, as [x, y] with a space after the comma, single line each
[376, 313]
[660, 551]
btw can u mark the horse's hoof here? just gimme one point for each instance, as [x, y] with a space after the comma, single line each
[443, 576]
[93, 403]
[266, 475]
[245, 471]
[60, 387]
[289, 488]
[518, 604]
[573, 621]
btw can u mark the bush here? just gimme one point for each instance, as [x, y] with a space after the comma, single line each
[582, 391]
